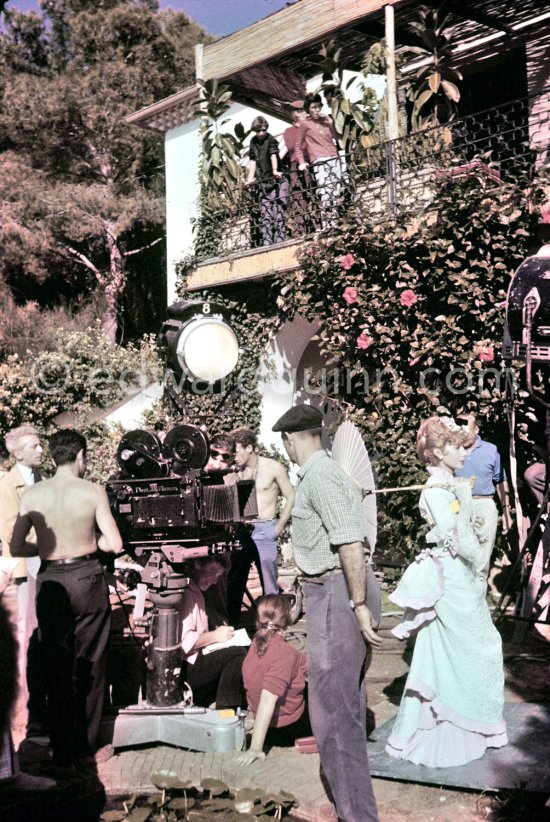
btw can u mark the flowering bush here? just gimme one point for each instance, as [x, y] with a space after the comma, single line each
[350, 295]
[80, 374]
[347, 261]
[363, 340]
[402, 313]
[408, 298]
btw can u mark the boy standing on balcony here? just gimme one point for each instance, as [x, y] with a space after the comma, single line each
[318, 140]
[272, 187]
[300, 181]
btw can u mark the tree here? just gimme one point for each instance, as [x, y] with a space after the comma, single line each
[80, 190]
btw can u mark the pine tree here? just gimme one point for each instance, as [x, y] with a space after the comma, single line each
[81, 190]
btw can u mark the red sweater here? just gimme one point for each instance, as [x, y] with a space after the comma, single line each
[281, 671]
[317, 139]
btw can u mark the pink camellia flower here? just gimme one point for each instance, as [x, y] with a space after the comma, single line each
[487, 353]
[347, 261]
[408, 298]
[363, 340]
[350, 295]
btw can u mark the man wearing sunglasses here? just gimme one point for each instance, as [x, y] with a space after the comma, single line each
[222, 453]
[484, 463]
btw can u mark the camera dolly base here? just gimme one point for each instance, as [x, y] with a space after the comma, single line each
[198, 729]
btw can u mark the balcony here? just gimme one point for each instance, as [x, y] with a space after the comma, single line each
[264, 229]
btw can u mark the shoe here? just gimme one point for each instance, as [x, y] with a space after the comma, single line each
[27, 782]
[35, 729]
[37, 739]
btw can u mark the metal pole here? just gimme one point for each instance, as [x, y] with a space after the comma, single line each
[391, 94]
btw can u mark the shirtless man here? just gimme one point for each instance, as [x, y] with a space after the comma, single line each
[74, 614]
[261, 546]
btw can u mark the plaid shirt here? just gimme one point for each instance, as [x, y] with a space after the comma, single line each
[327, 514]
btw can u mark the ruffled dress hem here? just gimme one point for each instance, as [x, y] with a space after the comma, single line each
[444, 738]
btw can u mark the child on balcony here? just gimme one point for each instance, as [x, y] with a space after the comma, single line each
[270, 183]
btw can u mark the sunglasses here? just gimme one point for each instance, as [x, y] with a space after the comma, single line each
[221, 455]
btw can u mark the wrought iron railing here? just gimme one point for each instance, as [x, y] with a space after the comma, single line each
[508, 144]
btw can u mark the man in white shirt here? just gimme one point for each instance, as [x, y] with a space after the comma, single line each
[23, 445]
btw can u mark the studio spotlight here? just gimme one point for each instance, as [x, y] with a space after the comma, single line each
[198, 342]
[527, 327]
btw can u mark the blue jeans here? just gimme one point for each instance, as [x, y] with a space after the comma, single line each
[259, 547]
[266, 542]
[337, 696]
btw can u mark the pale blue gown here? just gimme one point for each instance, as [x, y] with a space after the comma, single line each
[452, 705]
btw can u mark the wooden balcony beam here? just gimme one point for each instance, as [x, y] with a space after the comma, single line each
[254, 264]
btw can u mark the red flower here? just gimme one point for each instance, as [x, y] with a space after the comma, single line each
[487, 353]
[363, 340]
[408, 298]
[347, 261]
[350, 295]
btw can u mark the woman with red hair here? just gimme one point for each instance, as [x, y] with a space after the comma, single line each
[452, 705]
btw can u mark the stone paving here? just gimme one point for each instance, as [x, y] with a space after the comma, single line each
[129, 771]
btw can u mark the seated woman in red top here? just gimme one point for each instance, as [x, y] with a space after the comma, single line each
[274, 675]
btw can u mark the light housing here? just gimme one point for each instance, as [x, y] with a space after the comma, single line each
[197, 341]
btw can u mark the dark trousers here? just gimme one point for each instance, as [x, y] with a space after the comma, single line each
[223, 667]
[74, 617]
[287, 735]
[337, 699]
[238, 575]
[36, 704]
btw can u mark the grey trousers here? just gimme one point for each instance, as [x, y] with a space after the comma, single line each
[485, 527]
[337, 696]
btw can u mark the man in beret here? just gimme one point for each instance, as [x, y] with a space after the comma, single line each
[328, 537]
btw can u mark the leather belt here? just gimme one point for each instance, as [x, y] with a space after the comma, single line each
[69, 560]
[313, 577]
[482, 496]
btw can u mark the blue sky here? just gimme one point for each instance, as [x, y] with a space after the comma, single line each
[216, 16]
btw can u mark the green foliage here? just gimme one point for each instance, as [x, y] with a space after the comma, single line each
[79, 374]
[220, 174]
[209, 798]
[412, 320]
[29, 330]
[434, 92]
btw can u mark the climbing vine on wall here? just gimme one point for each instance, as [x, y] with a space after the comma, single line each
[413, 321]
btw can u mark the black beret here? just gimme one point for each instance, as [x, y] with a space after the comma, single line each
[300, 418]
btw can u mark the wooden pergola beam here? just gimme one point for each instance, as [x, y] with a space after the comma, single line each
[460, 8]
[295, 26]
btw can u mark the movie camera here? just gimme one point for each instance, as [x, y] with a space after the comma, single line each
[166, 500]
[169, 509]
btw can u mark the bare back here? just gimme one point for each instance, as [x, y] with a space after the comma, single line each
[64, 511]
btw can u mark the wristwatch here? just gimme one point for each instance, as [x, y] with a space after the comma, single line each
[353, 605]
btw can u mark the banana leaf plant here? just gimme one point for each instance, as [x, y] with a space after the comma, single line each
[434, 92]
